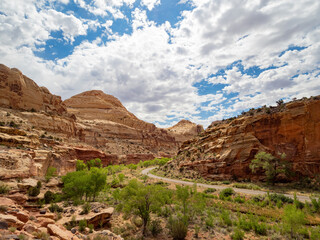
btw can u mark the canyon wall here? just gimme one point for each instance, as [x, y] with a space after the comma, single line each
[226, 148]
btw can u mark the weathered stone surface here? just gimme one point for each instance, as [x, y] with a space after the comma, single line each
[44, 221]
[12, 221]
[20, 92]
[21, 215]
[18, 198]
[102, 217]
[226, 148]
[185, 130]
[61, 232]
[30, 228]
[7, 202]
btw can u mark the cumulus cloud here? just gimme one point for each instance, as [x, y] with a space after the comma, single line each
[154, 69]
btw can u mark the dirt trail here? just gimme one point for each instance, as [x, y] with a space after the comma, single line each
[238, 190]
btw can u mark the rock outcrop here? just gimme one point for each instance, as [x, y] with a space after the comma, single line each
[226, 148]
[20, 92]
[185, 130]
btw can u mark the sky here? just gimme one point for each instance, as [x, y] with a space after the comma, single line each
[167, 60]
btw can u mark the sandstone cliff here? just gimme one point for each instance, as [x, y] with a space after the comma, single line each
[38, 130]
[20, 92]
[226, 148]
[185, 130]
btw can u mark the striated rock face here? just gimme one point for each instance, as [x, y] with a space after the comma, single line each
[20, 92]
[108, 125]
[226, 148]
[185, 130]
[96, 105]
[38, 130]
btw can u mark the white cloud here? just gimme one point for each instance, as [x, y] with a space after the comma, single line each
[153, 70]
[150, 4]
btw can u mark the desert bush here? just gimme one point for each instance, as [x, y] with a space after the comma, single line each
[237, 234]
[225, 218]
[210, 190]
[226, 193]
[51, 172]
[42, 235]
[55, 208]
[178, 227]
[246, 186]
[244, 224]
[82, 225]
[259, 228]
[315, 233]
[49, 197]
[33, 191]
[315, 204]
[86, 208]
[141, 200]
[293, 219]
[4, 188]
[280, 197]
[155, 227]
[239, 199]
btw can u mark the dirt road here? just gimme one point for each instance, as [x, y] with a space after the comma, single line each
[218, 187]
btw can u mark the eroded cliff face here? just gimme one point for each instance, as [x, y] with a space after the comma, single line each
[38, 130]
[185, 130]
[226, 148]
[20, 92]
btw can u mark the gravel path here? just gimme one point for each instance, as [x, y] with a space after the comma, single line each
[219, 187]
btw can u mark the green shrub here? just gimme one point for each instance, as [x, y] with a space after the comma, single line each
[244, 224]
[210, 190]
[315, 204]
[91, 227]
[82, 225]
[51, 172]
[209, 222]
[33, 191]
[239, 199]
[80, 165]
[155, 228]
[86, 208]
[260, 228]
[178, 228]
[246, 186]
[293, 219]
[55, 208]
[284, 199]
[4, 188]
[315, 233]
[49, 197]
[237, 234]
[225, 217]
[226, 193]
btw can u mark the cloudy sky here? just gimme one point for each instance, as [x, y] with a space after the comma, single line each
[167, 60]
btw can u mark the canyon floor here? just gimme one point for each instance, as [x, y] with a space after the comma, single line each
[212, 212]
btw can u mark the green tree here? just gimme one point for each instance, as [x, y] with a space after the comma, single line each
[272, 165]
[80, 165]
[97, 181]
[293, 218]
[141, 200]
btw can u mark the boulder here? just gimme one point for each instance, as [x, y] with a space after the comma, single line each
[19, 198]
[43, 221]
[60, 232]
[23, 216]
[30, 228]
[12, 221]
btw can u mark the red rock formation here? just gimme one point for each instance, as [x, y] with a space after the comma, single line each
[20, 92]
[185, 130]
[225, 149]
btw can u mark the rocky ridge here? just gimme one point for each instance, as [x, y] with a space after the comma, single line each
[225, 149]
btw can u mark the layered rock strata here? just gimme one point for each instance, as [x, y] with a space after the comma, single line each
[226, 148]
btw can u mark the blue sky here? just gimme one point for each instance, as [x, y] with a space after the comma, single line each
[168, 60]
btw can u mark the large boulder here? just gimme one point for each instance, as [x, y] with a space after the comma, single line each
[60, 232]
[12, 221]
